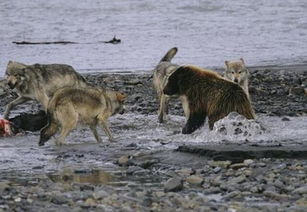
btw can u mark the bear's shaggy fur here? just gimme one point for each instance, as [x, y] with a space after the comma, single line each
[208, 94]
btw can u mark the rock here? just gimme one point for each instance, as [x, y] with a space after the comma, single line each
[297, 91]
[195, 180]
[17, 199]
[59, 200]
[301, 190]
[160, 194]
[223, 164]
[90, 202]
[237, 165]
[186, 171]
[3, 186]
[217, 170]
[232, 195]
[248, 162]
[123, 160]
[237, 180]
[302, 202]
[131, 170]
[100, 194]
[148, 163]
[86, 187]
[275, 195]
[285, 119]
[173, 184]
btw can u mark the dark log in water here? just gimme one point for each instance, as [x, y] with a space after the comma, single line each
[42, 43]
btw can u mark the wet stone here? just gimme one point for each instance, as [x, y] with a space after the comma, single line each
[223, 164]
[86, 187]
[195, 180]
[217, 170]
[173, 184]
[238, 165]
[148, 163]
[123, 160]
[186, 171]
[60, 200]
[301, 190]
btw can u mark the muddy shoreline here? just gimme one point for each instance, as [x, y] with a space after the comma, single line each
[149, 174]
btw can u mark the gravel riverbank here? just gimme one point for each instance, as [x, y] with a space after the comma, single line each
[148, 169]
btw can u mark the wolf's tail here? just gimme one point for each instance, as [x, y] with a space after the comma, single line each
[169, 55]
[49, 130]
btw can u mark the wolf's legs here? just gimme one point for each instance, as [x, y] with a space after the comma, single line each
[48, 131]
[44, 99]
[105, 127]
[12, 104]
[163, 110]
[68, 119]
[94, 130]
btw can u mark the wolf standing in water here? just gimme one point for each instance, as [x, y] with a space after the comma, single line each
[208, 94]
[160, 76]
[90, 106]
[237, 72]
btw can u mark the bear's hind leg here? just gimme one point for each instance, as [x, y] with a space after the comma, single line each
[195, 121]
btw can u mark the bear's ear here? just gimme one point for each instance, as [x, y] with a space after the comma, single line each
[241, 59]
[227, 63]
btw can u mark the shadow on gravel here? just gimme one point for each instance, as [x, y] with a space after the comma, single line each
[238, 153]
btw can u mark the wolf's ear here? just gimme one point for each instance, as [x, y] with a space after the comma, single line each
[227, 63]
[241, 59]
[120, 96]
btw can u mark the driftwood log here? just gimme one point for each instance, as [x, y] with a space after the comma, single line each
[43, 43]
[112, 41]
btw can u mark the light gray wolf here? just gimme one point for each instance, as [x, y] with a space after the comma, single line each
[90, 106]
[39, 82]
[208, 94]
[160, 76]
[237, 72]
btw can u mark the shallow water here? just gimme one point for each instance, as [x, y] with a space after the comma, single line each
[144, 134]
[206, 32]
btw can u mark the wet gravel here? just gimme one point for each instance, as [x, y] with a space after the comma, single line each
[131, 177]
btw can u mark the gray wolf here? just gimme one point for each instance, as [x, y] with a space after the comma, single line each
[90, 106]
[160, 76]
[237, 72]
[39, 82]
[208, 94]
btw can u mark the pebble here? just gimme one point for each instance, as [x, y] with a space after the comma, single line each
[237, 165]
[195, 180]
[123, 160]
[248, 162]
[217, 170]
[301, 190]
[173, 184]
[186, 171]
[223, 164]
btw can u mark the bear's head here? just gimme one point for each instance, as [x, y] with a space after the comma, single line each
[172, 85]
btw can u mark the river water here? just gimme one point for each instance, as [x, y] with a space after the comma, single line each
[206, 32]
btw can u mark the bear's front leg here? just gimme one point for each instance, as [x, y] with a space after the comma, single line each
[195, 121]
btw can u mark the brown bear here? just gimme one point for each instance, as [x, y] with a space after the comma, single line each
[208, 94]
